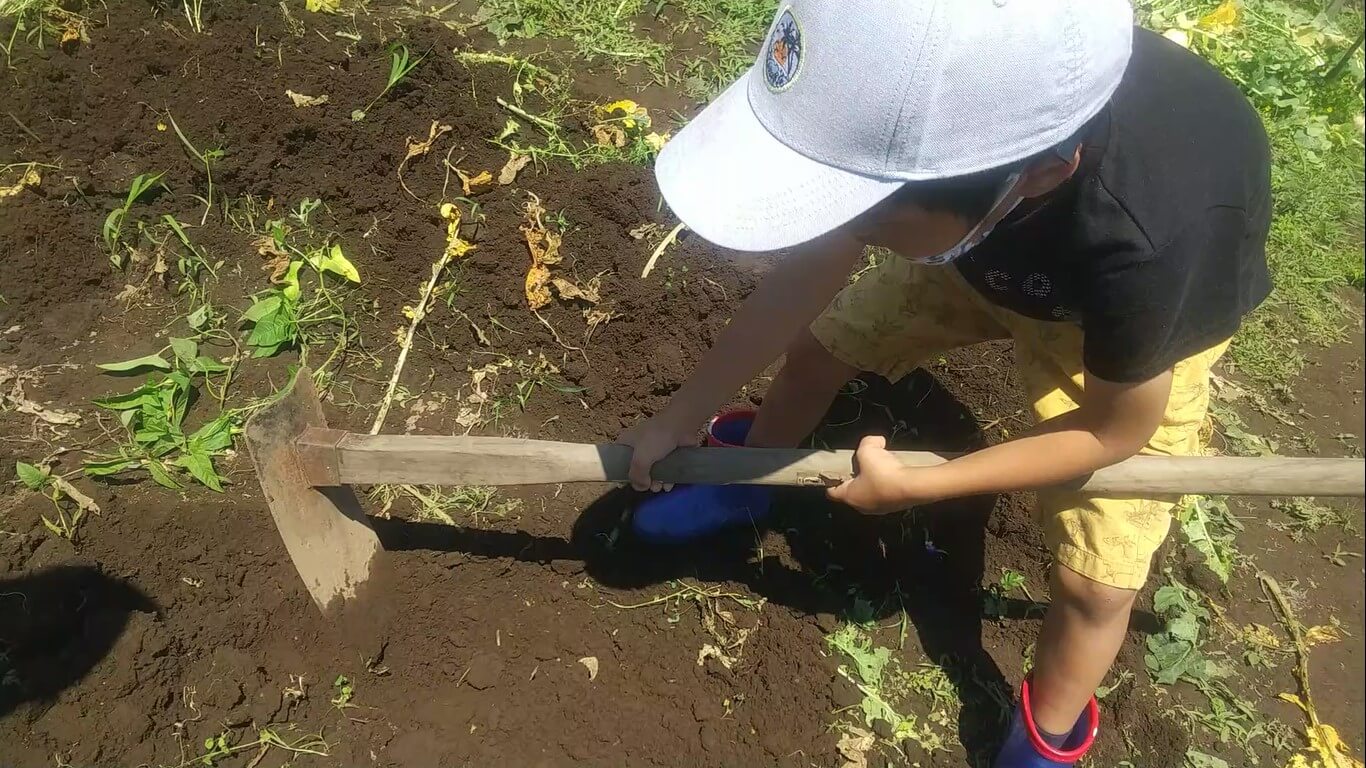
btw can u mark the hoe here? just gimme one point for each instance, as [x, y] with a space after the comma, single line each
[307, 472]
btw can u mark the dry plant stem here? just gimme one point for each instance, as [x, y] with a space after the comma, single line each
[659, 249]
[558, 340]
[1296, 630]
[419, 312]
[541, 122]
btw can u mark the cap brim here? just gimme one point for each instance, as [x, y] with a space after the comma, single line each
[727, 178]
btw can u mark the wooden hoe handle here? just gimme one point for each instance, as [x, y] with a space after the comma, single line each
[330, 457]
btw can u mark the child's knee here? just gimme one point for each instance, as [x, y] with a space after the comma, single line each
[1089, 599]
[808, 362]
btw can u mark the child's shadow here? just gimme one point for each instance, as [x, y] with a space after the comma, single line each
[928, 563]
[835, 562]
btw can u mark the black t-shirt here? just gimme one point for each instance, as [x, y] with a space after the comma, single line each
[1156, 246]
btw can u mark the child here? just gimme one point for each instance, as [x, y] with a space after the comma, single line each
[1043, 172]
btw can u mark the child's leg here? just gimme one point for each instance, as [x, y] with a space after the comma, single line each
[891, 318]
[799, 395]
[1081, 635]
[1102, 548]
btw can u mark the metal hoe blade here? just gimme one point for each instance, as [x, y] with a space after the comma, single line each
[326, 533]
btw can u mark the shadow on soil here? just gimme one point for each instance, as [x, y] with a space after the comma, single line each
[56, 625]
[929, 562]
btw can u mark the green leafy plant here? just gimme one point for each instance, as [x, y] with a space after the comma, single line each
[344, 691]
[216, 748]
[1176, 655]
[1210, 528]
[274, 322]
[220, 746]
[883, 684]
[290, 314]
[113, 223]
[1197, 759]
[154, 416]
[206, 158]
[70, 504]
[400, 64]
[996, 599]
[280, 316]
[1305, 516]
[185, 354]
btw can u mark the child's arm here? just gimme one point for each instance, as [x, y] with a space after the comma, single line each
[1112, 423]
[788, 299]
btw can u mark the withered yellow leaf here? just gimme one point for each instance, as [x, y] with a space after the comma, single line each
[468, 182]
[29, 179]
[302, 100]
[322, 6]
[537, 286]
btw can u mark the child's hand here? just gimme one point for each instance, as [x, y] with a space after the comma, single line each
[652, 440]
[881, 484]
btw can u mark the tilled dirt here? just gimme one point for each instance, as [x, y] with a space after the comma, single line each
[532, 638]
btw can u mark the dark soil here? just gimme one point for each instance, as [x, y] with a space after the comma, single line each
[177, 616]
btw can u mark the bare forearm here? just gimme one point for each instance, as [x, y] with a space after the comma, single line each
[1056, 451]
[788, 299]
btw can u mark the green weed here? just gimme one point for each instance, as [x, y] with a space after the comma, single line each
[219, 747]
[154, 417]
[1238, 439]
[733, 30]
[600, 29]
[69, 504]
[343, 691]
[457, 505]
[1176, 654]
[38, 22]
[206, 158]
[400, 64]
[112, 231]
[1305, 516]
[1210, 529]
[996, 598]
[286, 316]
[194, 13]
[606, 30]
[884, 686]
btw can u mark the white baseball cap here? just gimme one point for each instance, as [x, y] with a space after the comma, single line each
[851, 99]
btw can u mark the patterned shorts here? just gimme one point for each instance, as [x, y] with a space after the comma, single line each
[899, 314]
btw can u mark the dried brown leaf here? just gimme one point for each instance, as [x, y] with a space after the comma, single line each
[508, 173]
[302, 100]
[572, 292]
[609, 135]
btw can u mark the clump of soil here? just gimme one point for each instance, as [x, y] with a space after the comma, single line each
[175, 617]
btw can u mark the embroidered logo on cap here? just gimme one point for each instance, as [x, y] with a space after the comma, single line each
[784, 53]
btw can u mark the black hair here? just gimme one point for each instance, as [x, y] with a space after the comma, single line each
[971, 196]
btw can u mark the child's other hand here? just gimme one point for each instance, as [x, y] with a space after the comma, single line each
[881, 484]
[652, 440]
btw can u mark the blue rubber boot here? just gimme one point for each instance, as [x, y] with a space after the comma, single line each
[1025, 746]
[690, 512]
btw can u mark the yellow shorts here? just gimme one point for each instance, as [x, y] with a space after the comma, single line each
[898, 314]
